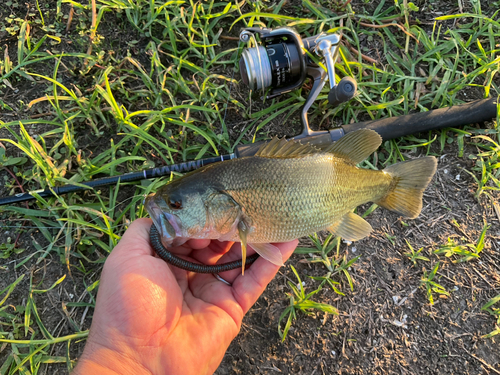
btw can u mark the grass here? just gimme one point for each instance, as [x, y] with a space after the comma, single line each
[495, 311]
[467, 252]
[300, 301]
[487, 165]
[415, 255]
[134, 84]
[432, 286]
[335, 264]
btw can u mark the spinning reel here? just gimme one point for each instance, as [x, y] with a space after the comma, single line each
[280, 64]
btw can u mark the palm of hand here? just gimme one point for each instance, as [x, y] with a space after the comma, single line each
[167, 320]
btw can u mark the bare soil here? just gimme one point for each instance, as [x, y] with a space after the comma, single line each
[386, 325]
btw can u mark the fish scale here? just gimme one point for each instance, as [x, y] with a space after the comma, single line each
[286, 191]
[290, 198]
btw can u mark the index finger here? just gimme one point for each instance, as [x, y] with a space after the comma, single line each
[248, 288]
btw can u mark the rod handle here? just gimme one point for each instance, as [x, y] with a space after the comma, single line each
[449, 117]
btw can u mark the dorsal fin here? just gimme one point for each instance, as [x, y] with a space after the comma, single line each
[356, 146]
[281, 148]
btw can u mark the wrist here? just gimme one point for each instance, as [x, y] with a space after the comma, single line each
[104, 361]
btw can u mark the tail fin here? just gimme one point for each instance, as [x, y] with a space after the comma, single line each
[410, 180]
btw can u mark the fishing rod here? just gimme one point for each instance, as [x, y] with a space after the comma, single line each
[281, 63]
[388, 128]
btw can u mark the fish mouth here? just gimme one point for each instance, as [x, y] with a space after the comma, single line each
[165, 223]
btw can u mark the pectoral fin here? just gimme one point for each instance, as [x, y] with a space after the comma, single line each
[351, 227]
[243, 230]
[268, 252]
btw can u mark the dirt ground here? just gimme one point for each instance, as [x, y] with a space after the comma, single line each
[385, 325]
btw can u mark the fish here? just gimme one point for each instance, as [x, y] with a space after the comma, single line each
[287, 190]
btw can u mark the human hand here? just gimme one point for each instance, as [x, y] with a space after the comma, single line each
[152, 318]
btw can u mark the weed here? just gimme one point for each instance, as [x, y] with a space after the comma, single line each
[487, 165]
[467, 252]
[335, 264]
[9, 161]
[300, 301]
[495, 311]
[415, 255]
[9, 248]
[391, 238]
[431, 286]
[162, 93]
[21, 319]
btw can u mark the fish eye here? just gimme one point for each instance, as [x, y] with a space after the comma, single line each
[175, 204]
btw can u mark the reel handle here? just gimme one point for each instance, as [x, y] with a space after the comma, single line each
[343, 91]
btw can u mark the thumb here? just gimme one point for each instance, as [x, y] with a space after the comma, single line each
[136, 238]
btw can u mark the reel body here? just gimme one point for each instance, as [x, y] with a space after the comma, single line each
[280, 64]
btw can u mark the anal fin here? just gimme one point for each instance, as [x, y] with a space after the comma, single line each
[351, 227]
